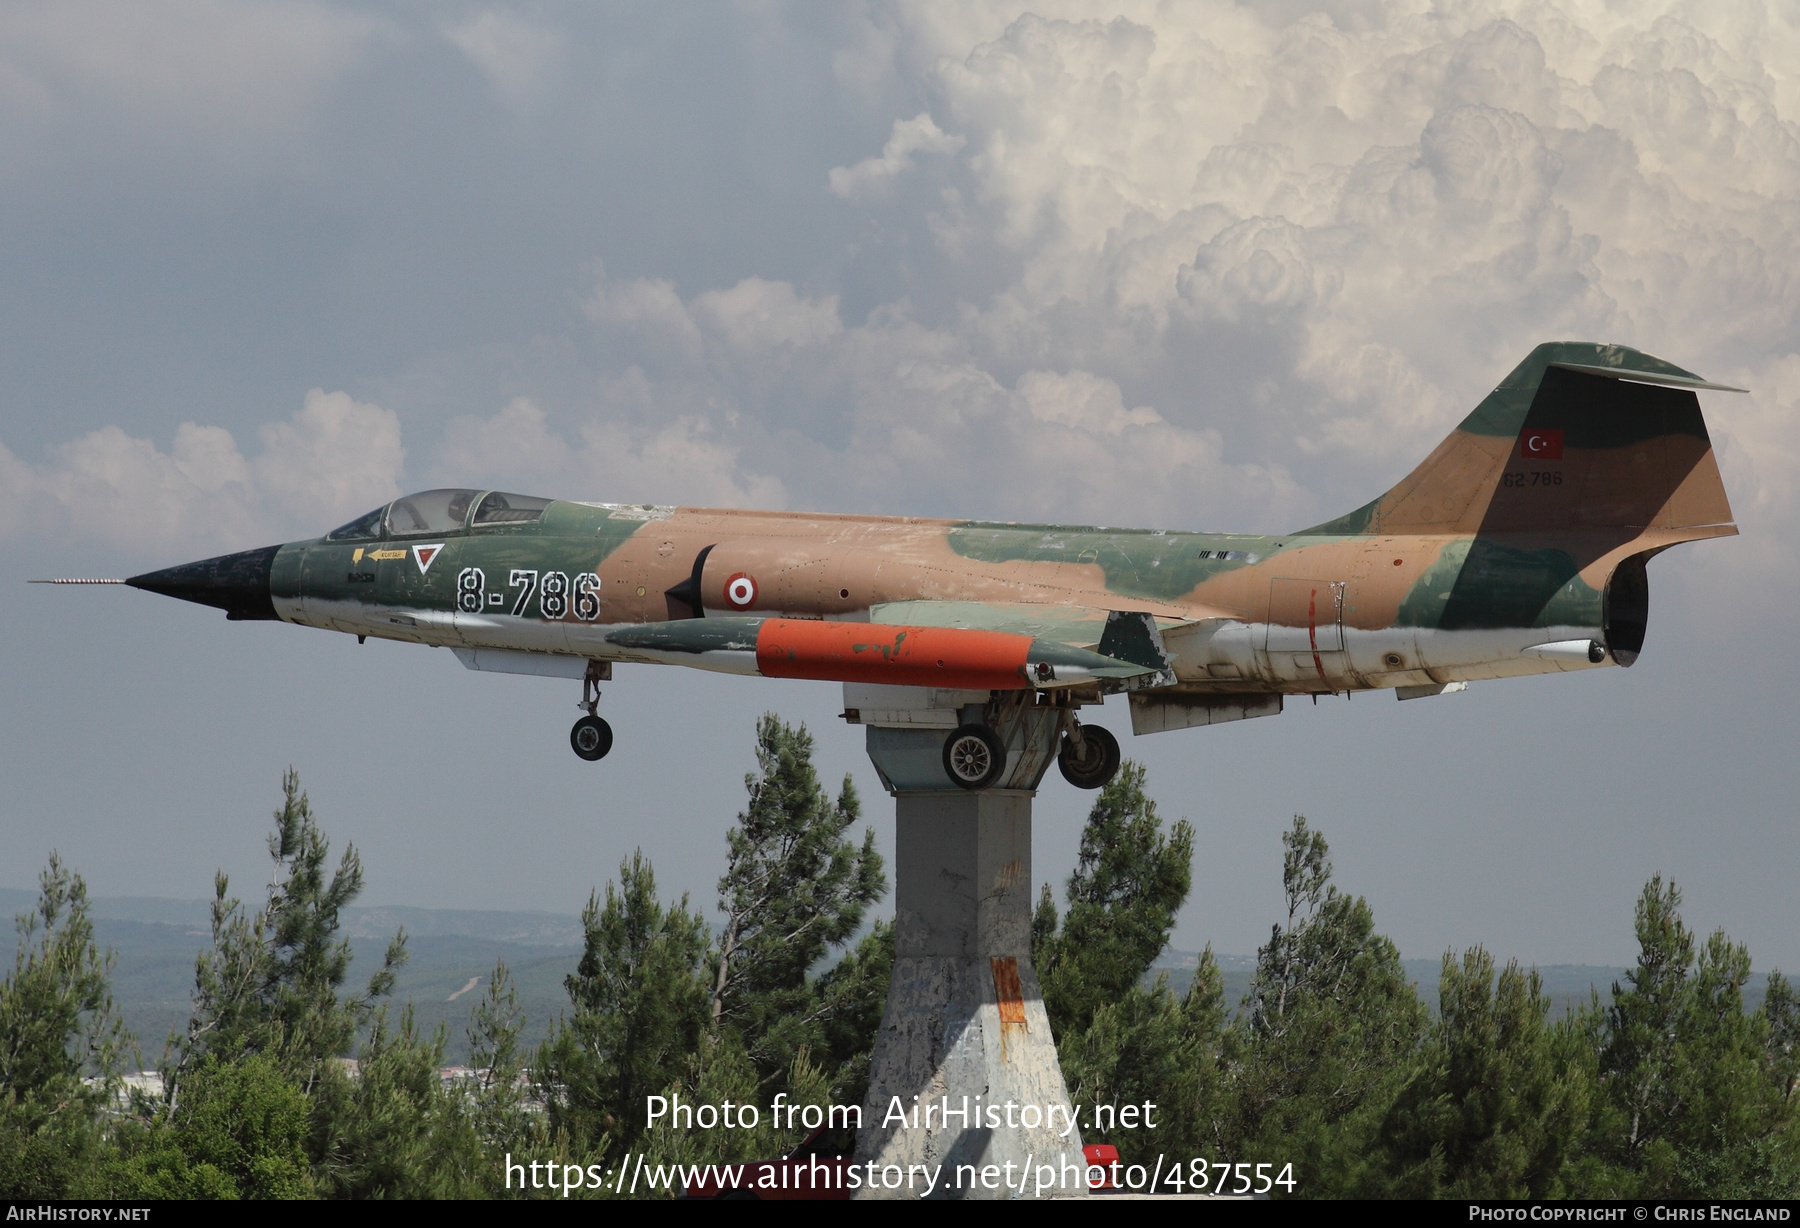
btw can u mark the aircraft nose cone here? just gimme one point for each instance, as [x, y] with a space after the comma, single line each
[235, 583]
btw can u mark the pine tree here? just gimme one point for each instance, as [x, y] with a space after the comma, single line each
[794, 887]
[1329, 1031]
[239, 1131]
[61, 1044]
[1781, 1009]
[269, 1000]
[640, 1009]
[1149, 1047]
[1499, 1104]
[495, 1099]
[1130, 881]
[1118, 1040]
[390, 1129]
[271, 980]
[852, 995]
[1691, 1099]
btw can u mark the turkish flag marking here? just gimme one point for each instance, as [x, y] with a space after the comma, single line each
[1541, 445]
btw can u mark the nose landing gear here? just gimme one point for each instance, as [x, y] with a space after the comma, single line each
[592, 737]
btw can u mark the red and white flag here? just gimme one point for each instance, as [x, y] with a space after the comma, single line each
[1541, 445]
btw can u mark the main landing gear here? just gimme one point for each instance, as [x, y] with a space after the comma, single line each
[975, 756]
[1089, 756]
[592, 737]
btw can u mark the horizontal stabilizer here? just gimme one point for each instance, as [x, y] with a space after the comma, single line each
[1662, 378]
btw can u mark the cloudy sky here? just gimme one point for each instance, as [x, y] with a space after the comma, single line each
[1199, 265]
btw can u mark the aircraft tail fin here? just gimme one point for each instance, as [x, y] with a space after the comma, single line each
[1578, 437]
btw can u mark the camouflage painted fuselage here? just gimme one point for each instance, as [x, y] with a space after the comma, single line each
[1517, 547]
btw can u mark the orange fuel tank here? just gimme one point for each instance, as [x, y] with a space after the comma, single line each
[903, 656]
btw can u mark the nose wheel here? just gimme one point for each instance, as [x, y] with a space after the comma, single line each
[592, 737]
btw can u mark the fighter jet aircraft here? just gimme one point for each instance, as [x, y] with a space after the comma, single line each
[1517, 547]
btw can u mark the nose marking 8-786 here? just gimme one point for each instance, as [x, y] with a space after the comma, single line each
[552, 589]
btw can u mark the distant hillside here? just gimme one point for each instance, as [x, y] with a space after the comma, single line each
[157, 941]
[452, 953]
[1566, 985]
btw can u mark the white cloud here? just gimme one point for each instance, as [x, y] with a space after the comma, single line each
[1082, 401]
[332, 460]
[1198, 265]
[872, 176]
[1363, 228]
[681, 461]
[1298, 246]
[757, 315]
[521, 60]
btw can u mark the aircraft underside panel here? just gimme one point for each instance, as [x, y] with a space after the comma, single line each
[1246, 657]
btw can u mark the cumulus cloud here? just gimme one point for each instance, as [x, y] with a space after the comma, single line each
[519, 58]
[873, 175]
[1326, 242]
[683, 461]
[333, 459]
[1299, 251]
[1205, 265]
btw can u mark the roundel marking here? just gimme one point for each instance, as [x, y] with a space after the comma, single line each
[740, 591]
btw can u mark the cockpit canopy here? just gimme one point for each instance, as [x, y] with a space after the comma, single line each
[430, 511]
[443, 511]
[498, 508]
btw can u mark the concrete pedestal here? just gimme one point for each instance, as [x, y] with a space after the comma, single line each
[965, 1027]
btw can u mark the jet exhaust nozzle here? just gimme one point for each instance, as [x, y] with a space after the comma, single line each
[236, 583]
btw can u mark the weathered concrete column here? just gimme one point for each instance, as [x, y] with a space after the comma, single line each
[965, 1026]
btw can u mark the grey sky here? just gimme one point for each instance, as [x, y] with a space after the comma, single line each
[1225, 267]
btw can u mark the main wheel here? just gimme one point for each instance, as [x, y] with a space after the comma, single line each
[591, 738]
[974, 757]
[1091, 763]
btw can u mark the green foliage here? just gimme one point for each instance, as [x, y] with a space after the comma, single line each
[1695, 1094]
[57, 1018]
[58, 1024]
[1782, 1011]
[1119, 1042]
[852, 995]
[1497, 1107]
[1149, 1048]
[640, 1009]
[1330, 1030]
[239, 1131]
[1129, 882]
[495, 1096]
[721, 1073]
[390, 1129]
[794, 887]
[1667, 1089]
[270, 982]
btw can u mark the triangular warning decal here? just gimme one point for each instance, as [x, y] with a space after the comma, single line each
[422, 555]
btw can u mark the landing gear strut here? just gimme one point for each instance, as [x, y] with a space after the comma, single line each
[592, 737]
[1089, 756]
